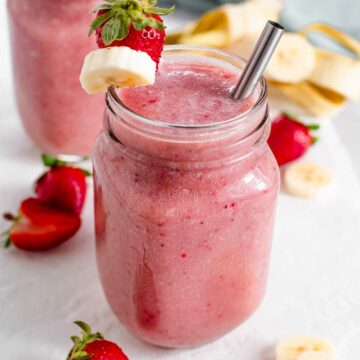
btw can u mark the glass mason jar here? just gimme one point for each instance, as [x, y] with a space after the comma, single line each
[49, 42]
[184, 217]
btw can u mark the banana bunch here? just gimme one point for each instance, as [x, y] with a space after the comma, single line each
[318, 80]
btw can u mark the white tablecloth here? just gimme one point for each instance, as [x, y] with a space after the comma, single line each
[314, 280]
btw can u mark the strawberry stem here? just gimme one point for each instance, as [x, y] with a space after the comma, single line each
[10, 217]
[314, 140]
[116, 16]
[7, 243]
[78, 351]
[52, 162]
[313, 126]
[290, 116]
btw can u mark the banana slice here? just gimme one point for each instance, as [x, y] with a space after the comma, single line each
[337, 72]
[307, 180]
[228, 23]
[295, 347]
[316, 355]
[293, 60]
[116, 66]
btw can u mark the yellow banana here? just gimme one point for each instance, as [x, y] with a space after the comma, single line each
[337, 35]
[293, 60]
[228, 23]
[337, 72]
[317, 79]
[315, 100]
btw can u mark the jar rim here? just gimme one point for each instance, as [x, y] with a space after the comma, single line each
[113, 98]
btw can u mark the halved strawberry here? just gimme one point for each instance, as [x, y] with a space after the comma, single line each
[131, 23]
[40, 227]
[63, 186]
[290, 139]
[94, 346]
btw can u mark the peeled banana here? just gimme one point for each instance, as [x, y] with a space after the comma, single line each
[304, 348]
[116, 66]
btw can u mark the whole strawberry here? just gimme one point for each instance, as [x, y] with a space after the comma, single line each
[94, 346]
[63, 186]
[40, 227]
[132, 23]
[290, 139]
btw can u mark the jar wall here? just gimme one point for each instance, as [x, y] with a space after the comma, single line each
[183, 254]
[49, 42]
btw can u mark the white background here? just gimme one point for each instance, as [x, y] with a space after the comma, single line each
[314, 286]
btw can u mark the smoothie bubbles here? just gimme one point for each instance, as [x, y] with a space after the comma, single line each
[48, 46]
[185, 183]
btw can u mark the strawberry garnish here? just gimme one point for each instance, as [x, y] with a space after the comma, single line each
[133, 23]
[62, 186]
[40, 227]
[290, 139]
[94, 346]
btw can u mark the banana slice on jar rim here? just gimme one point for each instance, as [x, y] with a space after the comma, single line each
[307, 180]
[304, 348]
[117, 66]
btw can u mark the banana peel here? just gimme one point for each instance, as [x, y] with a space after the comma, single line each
[325, 85]
[335, 71]
[313, 99]
[228, 23]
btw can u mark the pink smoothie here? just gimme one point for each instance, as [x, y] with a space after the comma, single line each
[183, 233]
[49, 42]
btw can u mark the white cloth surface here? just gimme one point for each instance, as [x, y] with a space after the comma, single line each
[313, 287]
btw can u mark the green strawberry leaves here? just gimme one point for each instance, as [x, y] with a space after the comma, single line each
[159, 11]
[5, 237]
[120, 14]
[111, 30]
[78, 351]
[98, 21]
[52, 161]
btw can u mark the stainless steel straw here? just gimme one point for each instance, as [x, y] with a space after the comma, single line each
[258, 60]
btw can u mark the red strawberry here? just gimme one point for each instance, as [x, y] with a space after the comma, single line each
[62, 186]
[149, 40]
[135, 24]
[290, 139]
[94, 346]
[40, 227]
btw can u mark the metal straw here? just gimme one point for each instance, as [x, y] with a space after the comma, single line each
[258, 60]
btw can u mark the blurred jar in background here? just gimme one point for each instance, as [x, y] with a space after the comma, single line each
[49, 41]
